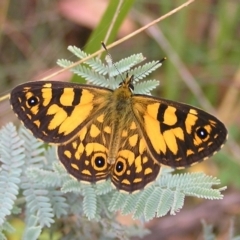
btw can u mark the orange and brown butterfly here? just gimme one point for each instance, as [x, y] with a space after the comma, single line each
[102, 133]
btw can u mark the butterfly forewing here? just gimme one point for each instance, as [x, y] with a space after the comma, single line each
[178, 135]
[56, 111]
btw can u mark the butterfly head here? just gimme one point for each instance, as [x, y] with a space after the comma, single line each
[127, 83]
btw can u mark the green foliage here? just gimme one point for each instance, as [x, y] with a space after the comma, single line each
[31, 172]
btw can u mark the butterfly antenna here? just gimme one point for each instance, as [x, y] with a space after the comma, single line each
[109, 55]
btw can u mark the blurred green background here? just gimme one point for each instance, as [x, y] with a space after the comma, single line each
[201, 43]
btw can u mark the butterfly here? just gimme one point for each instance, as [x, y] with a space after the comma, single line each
[102, 133]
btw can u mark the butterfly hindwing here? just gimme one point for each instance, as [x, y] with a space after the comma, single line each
[178, 135]
[56, 111]
[134, 167]
[85, 156]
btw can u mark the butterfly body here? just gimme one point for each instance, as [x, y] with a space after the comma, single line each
[102, 133]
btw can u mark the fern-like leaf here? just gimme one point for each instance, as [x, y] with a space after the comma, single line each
[39, 204]
[129, 204]
[75, 204]
[178, 201]
[141, 203]
[33, 149]
[64, 63]
[93, 77]
[143, 71]
[95, 64]
[45, 177]
[72, 185]
[102, 204]
[117, 201]
[11, 156]
[123, 66]
[89, 202]
[58, 202]
[103, 188]
[165, 202]
[32, 231]
[145, 87]
[152, 201]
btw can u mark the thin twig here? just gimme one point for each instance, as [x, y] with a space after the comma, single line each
[121, 40]
[51, 76]
[113, 21]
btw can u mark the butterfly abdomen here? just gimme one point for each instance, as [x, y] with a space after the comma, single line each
[119, 113]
